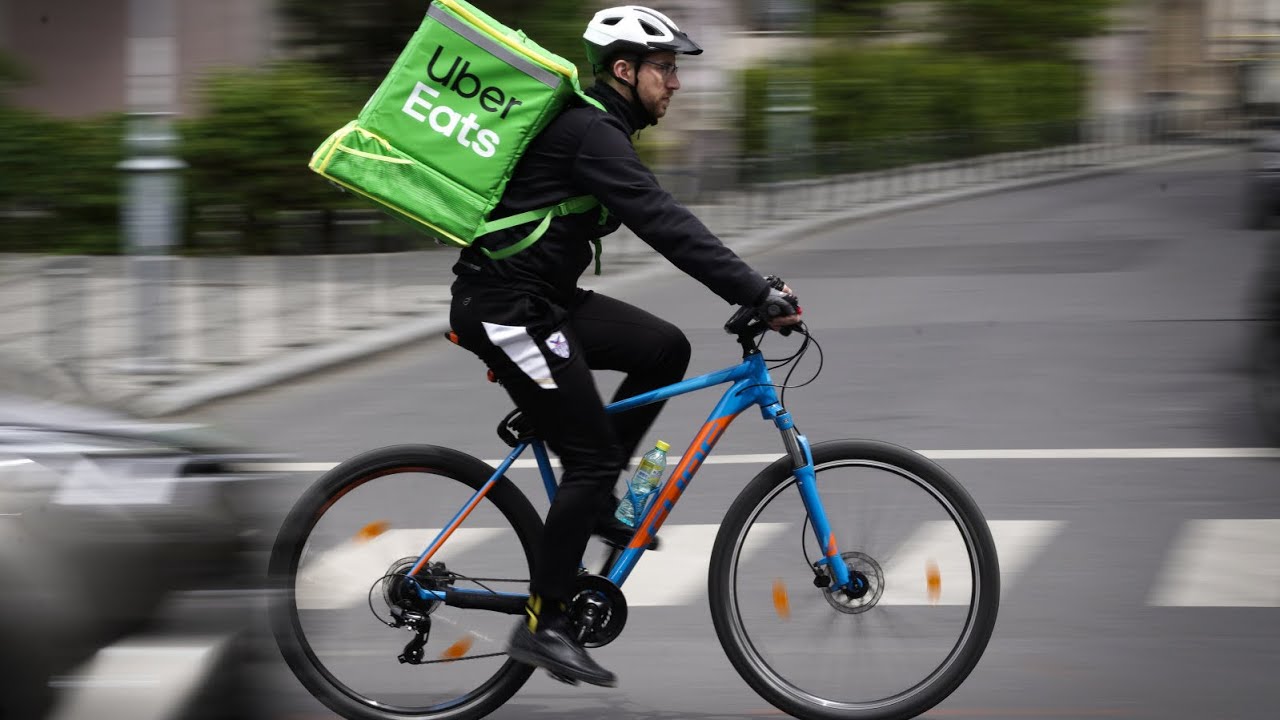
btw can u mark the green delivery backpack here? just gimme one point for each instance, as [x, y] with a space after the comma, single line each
[438, 140]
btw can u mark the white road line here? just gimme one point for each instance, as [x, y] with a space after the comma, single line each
[678, 574]
[341, 577]
[1222, 563]
[1008, 454]
[938, 544]
[1107, 454]
[108, 684]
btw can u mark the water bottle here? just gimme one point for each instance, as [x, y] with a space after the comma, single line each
[643, 484]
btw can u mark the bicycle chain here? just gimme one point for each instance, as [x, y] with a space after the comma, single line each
[460, 659]
[506, 580]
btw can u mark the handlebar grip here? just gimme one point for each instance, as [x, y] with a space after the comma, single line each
[777, 305]
[740, 322]
[748, 320]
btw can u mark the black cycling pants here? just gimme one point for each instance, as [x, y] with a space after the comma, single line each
[543, 355]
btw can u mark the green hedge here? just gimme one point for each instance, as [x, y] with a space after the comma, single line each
[246, 153]
[248, 150]
[60, 189]
[950, 105]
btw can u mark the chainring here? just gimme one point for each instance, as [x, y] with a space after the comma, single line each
[612, 606]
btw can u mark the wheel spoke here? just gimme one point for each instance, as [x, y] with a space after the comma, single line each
[351, 622]
[886, 641]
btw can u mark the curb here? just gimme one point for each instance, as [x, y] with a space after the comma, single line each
[760, 241]
[273, 371]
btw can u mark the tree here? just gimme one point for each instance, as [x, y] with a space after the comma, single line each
[360, 39]
[1031, 29]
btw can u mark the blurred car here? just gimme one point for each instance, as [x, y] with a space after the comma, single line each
[1262, 184]
[127, 561]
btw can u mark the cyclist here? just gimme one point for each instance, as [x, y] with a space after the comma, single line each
[541, 335]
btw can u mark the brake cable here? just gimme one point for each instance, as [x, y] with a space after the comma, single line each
[794, 361]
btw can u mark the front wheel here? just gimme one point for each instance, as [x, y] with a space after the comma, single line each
[899, 641]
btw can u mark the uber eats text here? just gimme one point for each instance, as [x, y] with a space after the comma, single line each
[447, 121]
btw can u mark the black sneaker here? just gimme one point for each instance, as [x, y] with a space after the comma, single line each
[552, 649]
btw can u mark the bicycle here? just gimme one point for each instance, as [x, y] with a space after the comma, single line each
[323, 564]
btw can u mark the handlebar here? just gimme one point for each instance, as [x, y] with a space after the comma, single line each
[748, 322]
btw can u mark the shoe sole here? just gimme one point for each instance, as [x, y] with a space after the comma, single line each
[563, 678]
[559, 671]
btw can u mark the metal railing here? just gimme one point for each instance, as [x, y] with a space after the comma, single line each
[329, 275]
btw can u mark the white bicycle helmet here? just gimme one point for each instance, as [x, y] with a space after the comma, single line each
[633, 29]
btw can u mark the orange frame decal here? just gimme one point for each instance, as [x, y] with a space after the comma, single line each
[692, 459]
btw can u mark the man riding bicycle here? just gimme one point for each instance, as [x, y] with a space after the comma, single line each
[542, 335]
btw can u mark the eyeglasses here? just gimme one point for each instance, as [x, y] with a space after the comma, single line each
[667, 69]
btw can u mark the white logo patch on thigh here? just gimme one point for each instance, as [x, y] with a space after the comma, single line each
[558, 344]
[518, 345]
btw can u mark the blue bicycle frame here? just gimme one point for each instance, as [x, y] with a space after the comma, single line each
[752, 385]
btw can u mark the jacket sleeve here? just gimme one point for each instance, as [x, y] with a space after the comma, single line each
[608, 167]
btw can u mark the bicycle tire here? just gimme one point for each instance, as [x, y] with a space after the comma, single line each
[286, 553]
[781, 692]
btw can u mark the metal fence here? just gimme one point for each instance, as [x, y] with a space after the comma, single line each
[152, 320]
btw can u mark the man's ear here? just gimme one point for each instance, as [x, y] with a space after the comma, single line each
[622, 69]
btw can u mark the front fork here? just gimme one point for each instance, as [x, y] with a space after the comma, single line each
[797, 446]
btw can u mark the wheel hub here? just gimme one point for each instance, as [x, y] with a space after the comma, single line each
[400, 590]
[866, 585]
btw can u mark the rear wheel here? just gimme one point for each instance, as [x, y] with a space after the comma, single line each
[905, 636]
[339, 568]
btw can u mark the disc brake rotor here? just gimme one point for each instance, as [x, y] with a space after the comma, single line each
[868, 580]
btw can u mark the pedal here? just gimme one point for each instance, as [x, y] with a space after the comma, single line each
[562, 678]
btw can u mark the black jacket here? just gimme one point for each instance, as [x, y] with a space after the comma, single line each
[588, 152]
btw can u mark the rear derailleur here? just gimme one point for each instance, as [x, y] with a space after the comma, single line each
[408, 609]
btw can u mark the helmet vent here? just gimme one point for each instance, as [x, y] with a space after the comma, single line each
[611, 21]
[650, 29]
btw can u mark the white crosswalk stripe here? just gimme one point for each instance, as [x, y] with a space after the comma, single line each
[1211, 563]
[938, 545]
[678, 576]
[1222, 563]
[341, 577]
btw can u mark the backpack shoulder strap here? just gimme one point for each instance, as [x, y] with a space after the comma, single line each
[591, 101]
[573, 205]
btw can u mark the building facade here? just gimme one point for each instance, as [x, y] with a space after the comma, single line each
[75, 53]
[1206, 53]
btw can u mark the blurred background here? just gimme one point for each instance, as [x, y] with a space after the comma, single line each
[158, 148]
[164, 246]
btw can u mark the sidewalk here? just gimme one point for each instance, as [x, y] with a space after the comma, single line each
[226, 326]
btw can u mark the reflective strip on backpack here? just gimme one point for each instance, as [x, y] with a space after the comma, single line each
[488, 44]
